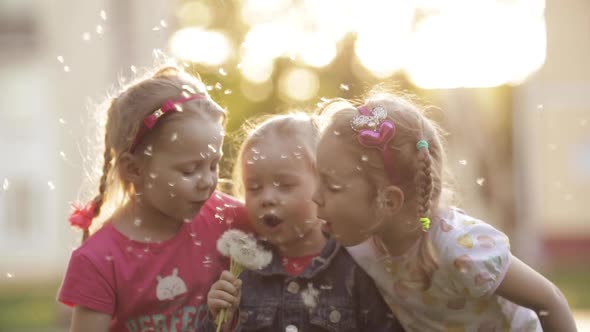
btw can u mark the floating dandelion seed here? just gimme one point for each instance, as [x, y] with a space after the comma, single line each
[103, 15]
[157, 53]
[336, 132]
[463, 162]
[51, 185]
[148, 151]
[86, 36]
[153, 175]
[62, 121]
[5, 184]
[211, 148]
[480, 181]
[60, 59]
[9, 275]
[67, 69]
[222, 72]
[310, 296]
[218, 86]
[62, 154]
[133, 69]
[364, 157]
[163, 24]
[344, 87]
[99, 29]
[137, 222]
[227, 92]
[174, 137]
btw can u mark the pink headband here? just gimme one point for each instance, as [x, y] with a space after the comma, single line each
[376, 131]
[169, 106]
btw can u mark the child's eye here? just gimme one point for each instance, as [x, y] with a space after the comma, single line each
[253, 187]
[284, 185]
[188, 171]
[334, 187]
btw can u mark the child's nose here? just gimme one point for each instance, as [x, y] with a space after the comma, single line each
[206, 181]
[269, 197]
[316, 198]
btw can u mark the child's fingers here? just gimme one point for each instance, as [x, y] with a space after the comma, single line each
[238, 284]
[221, 299]
[228, 276]
[225, 286]
[217, 305]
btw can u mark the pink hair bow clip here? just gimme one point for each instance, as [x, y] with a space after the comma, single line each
[82, 216]
[376, 131]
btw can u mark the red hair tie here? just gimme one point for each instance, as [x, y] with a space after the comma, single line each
[82, 216]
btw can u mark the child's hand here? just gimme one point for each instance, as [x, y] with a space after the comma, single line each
[224, 293]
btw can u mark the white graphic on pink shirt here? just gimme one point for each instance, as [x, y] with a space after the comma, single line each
[170, 286]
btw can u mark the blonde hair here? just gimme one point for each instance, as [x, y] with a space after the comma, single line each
[300, 127]
[420, 170]
[125, 116]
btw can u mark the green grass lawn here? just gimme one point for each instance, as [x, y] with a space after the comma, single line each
[574, 285]
[28, 306]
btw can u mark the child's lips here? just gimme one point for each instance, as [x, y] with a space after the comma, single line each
[271, 220]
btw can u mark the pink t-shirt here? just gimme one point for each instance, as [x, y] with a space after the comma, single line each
[153, 286]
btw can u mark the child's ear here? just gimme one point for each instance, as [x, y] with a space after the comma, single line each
[393, 199]
[130, 168]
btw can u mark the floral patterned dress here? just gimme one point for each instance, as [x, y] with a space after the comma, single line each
[472, 257]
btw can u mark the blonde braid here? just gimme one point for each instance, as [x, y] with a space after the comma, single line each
[424, 183]
[106, 167]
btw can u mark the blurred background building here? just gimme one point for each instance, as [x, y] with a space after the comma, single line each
[509, 80]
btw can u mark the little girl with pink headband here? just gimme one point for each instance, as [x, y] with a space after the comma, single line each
[151, 264]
